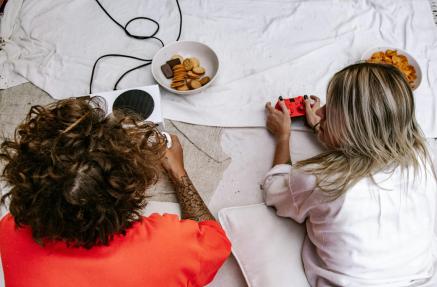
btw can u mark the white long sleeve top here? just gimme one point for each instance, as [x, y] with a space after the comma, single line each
[379, 233]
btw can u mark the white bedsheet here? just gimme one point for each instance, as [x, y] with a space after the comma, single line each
[266, 48]
[251, 150]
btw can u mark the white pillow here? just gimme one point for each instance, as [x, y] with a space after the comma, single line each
[267, 247]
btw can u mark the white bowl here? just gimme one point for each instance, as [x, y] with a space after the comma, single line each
[410, 58]
[207, 58]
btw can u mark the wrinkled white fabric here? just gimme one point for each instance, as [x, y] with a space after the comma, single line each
[266, 48]
[8, 78]
[374, 235]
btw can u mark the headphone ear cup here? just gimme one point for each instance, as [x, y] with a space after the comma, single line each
[167, 136]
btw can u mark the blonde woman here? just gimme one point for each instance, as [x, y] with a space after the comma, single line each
[368, 201]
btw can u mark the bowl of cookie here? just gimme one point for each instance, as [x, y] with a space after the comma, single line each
[398, 58]
[185, 67]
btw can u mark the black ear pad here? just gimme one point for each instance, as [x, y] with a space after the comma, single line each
[137, 101]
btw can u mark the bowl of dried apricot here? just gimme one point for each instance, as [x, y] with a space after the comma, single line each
[185, 67]
[398, 58]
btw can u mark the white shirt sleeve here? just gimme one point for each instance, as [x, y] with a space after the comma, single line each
[290, 191]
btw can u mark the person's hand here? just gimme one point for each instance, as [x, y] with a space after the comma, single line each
[278, 122]
[173, 160]
[312, 119]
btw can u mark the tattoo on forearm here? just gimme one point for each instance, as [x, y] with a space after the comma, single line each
[192, 205]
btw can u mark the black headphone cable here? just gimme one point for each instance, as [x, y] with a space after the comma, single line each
[138, 37]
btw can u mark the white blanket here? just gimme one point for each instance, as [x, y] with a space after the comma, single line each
[266, 48]
[252, 152]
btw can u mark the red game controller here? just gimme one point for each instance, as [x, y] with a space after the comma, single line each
[295, 106]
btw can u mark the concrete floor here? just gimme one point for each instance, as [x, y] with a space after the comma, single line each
[204, 159]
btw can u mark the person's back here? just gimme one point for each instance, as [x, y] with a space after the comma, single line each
[78, 187]
[156, 251]
[381, 231]
[369, 202]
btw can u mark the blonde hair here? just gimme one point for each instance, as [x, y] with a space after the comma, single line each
[370, 118]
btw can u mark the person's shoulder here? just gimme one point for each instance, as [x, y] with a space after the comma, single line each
[167, 224]
[302, 179]
[165, 217]
[7, 226]
[160, 221]
[7, 221]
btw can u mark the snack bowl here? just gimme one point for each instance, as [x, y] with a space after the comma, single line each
[411, 61]
[187, 49]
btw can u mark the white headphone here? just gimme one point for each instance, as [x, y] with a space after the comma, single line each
[167, 139]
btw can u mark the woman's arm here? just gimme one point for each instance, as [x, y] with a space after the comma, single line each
[192, 205]
[282, 152]
[312, 119]
[288, 201]
[279, 124]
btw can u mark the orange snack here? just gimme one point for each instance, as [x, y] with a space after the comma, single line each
[399, 61]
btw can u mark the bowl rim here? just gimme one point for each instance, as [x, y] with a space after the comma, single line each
[190, 92]
[366, 55]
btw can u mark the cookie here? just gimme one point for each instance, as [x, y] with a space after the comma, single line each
[199, 70]
[179, 75]
[177, 84]
[167, 71]
[174, 62]
[179, 78]
[195, 84]
[178, 67]
[192, 75]
[179, 72]
[204, 80]
[195, 62]
[183, 88]
[188, 64]
[177, 56]
[187, 73]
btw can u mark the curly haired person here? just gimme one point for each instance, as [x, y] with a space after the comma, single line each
[79, 183]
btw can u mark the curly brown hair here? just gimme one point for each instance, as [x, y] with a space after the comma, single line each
[77, 175]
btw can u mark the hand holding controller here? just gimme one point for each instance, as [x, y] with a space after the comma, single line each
[295, 106]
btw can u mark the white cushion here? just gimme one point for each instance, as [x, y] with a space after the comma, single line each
[267, 247]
